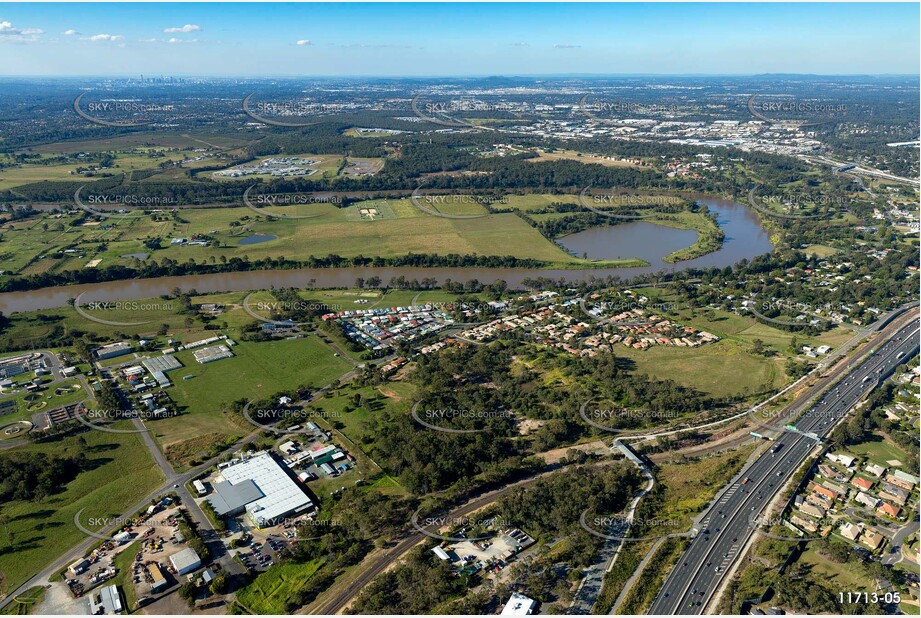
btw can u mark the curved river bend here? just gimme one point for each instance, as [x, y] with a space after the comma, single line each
[745, 238]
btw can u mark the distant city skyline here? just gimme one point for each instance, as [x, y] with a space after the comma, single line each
[421, 40]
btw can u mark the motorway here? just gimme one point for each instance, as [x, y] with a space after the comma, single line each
[729, 524]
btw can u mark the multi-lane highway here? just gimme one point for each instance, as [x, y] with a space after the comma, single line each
[732, 519]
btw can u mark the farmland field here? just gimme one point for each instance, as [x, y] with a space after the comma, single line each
[53, 243]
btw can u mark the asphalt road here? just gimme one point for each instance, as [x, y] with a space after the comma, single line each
[732, 519]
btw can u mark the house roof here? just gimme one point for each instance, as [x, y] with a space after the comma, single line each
[889, 509]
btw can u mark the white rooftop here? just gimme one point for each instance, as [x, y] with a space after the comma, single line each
[518, 605]
[281, 495]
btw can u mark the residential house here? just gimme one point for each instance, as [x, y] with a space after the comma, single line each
[850, 531]
[866, 500]
[872, 538]
[893, 494]
[815, 511]
[838, 489]
[905, 477]
[823, 491]
[819, 500]
[842, 458]
[889, 509]
[903, 483]
[804, 523]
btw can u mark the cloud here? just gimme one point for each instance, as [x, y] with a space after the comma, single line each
[106, 37]
[185, 29]
[10, 33]
[521, 45]
[372, 46]
[566, 46]
[70, 32]
[175, 40]
[7, 29]
[304, 42]
[149, 40]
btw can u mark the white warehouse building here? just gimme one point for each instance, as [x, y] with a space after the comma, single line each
[262, 487]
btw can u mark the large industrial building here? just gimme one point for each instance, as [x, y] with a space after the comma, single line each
[260, 486]
[112, 350]
[159, 365]
[214, 353]
[17, 365]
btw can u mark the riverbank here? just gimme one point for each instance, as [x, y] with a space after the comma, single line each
[709, 235]
[745, 238]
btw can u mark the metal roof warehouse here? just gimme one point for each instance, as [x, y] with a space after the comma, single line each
[262, 486]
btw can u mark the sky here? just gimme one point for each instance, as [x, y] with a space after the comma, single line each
[453, 39]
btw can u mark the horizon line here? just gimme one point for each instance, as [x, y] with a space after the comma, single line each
[264, 76]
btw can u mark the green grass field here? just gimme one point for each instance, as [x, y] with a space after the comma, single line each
[122, 473]
[355, 423]
[821, 251]
[268, 592]
[831, 572]
[688, 486]
[148, 313]
[352, 428]
[49, 243]
[727, 367]
[147, 139]
[741, 328]
[257, 370]
[721, 369]
[126, 161]
[124, 577]
[880, 450]
[378, 298]
[24, 603]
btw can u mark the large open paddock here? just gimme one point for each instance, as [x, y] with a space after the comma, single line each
[257, 370]
[121, 472]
